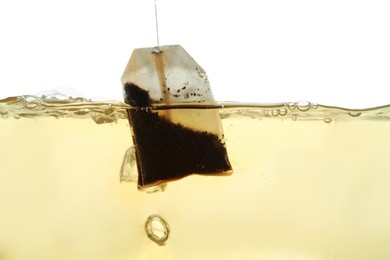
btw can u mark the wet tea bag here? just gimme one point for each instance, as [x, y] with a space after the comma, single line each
[172, 142]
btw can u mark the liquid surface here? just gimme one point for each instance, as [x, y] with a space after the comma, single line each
[308, 182]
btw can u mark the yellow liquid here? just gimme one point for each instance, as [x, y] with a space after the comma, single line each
[309, 182]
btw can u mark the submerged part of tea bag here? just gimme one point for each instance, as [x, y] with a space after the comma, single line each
[172, 143]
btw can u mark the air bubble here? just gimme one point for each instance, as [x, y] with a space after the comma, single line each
[157, 188]
[291, 105]
[3, 114]
[282, 112]
[157, 229]
[294, 118]
[275, 112]
[31, 102]
[146, 109]
[354, 113]
[327, 120]
[303, 105]
[156, 50]
[314, 105]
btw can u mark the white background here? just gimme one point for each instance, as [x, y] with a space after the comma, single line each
[334, 52]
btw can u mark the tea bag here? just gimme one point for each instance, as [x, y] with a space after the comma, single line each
[173, 142]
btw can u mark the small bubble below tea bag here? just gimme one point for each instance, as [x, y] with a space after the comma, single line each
[157, 229]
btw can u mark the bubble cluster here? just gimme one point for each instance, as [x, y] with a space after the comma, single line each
[279, 112]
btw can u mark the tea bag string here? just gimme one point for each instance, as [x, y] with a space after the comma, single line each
[156, 18]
